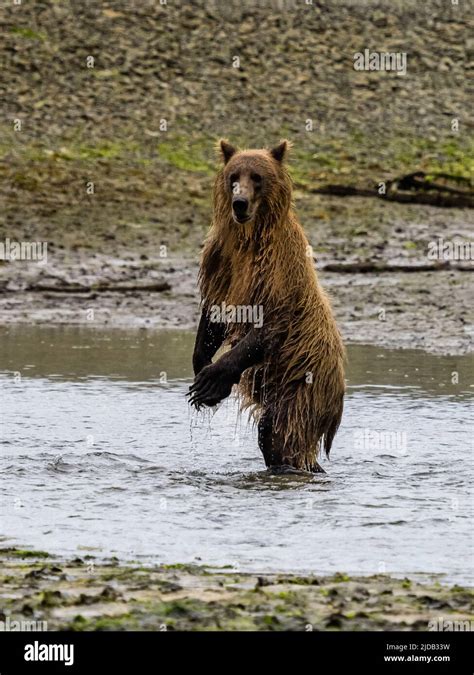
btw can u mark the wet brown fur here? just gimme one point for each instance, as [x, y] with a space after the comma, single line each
[267, 263]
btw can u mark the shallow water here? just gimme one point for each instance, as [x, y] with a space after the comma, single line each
[101, 455]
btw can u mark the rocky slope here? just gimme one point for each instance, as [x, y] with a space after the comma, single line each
[132, 95]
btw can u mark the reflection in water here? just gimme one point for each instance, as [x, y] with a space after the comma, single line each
[101, 450]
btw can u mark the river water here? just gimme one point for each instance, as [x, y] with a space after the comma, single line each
[101, 455]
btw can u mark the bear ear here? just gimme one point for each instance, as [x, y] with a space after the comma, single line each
[279, 152]
[226, 149]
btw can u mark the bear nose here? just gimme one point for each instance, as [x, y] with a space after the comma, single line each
[240, 206]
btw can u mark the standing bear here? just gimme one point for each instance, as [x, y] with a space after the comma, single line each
[288, 364]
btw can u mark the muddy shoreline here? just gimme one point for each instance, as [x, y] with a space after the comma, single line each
[428, 310]
[83, 594]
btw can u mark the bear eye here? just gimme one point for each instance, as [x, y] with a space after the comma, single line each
[233, 179]
[256, 177]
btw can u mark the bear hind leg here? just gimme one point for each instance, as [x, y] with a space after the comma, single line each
[272, 447]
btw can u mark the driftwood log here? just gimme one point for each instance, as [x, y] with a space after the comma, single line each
[413, 188]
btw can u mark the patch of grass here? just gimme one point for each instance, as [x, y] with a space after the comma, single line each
[310, 165]
[73, 148]
[454, 157]
[325, 159]
[299, 177]
[102, 149]
[187, 156]
[359, 157]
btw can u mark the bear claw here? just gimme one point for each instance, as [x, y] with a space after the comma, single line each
[209, 387]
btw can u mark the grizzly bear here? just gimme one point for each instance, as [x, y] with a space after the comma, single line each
[288, 368]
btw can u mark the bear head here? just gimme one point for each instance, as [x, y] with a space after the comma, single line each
[254, 185]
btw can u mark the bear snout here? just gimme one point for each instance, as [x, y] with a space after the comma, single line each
[240, 207]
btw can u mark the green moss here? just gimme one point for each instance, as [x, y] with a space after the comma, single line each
[107, 150]
[186, 567]
[78, 622]
[340, 577]
[299, 176]
[270, 620]
[234, 609]
[28, 33]
[69, 149]
[358, 156]
[115, 623]
[50, 598]
[324, 159]
[241, 623]
[20, 553]
[461, 589]
[299, 581]
[182, 607]
[125, 621]
[283, 595]
[311, 164]
[454, 157]
[358, 137]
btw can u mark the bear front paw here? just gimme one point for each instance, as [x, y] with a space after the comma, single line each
[211, 385]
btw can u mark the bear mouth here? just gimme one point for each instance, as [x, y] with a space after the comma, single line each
[241, 220]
